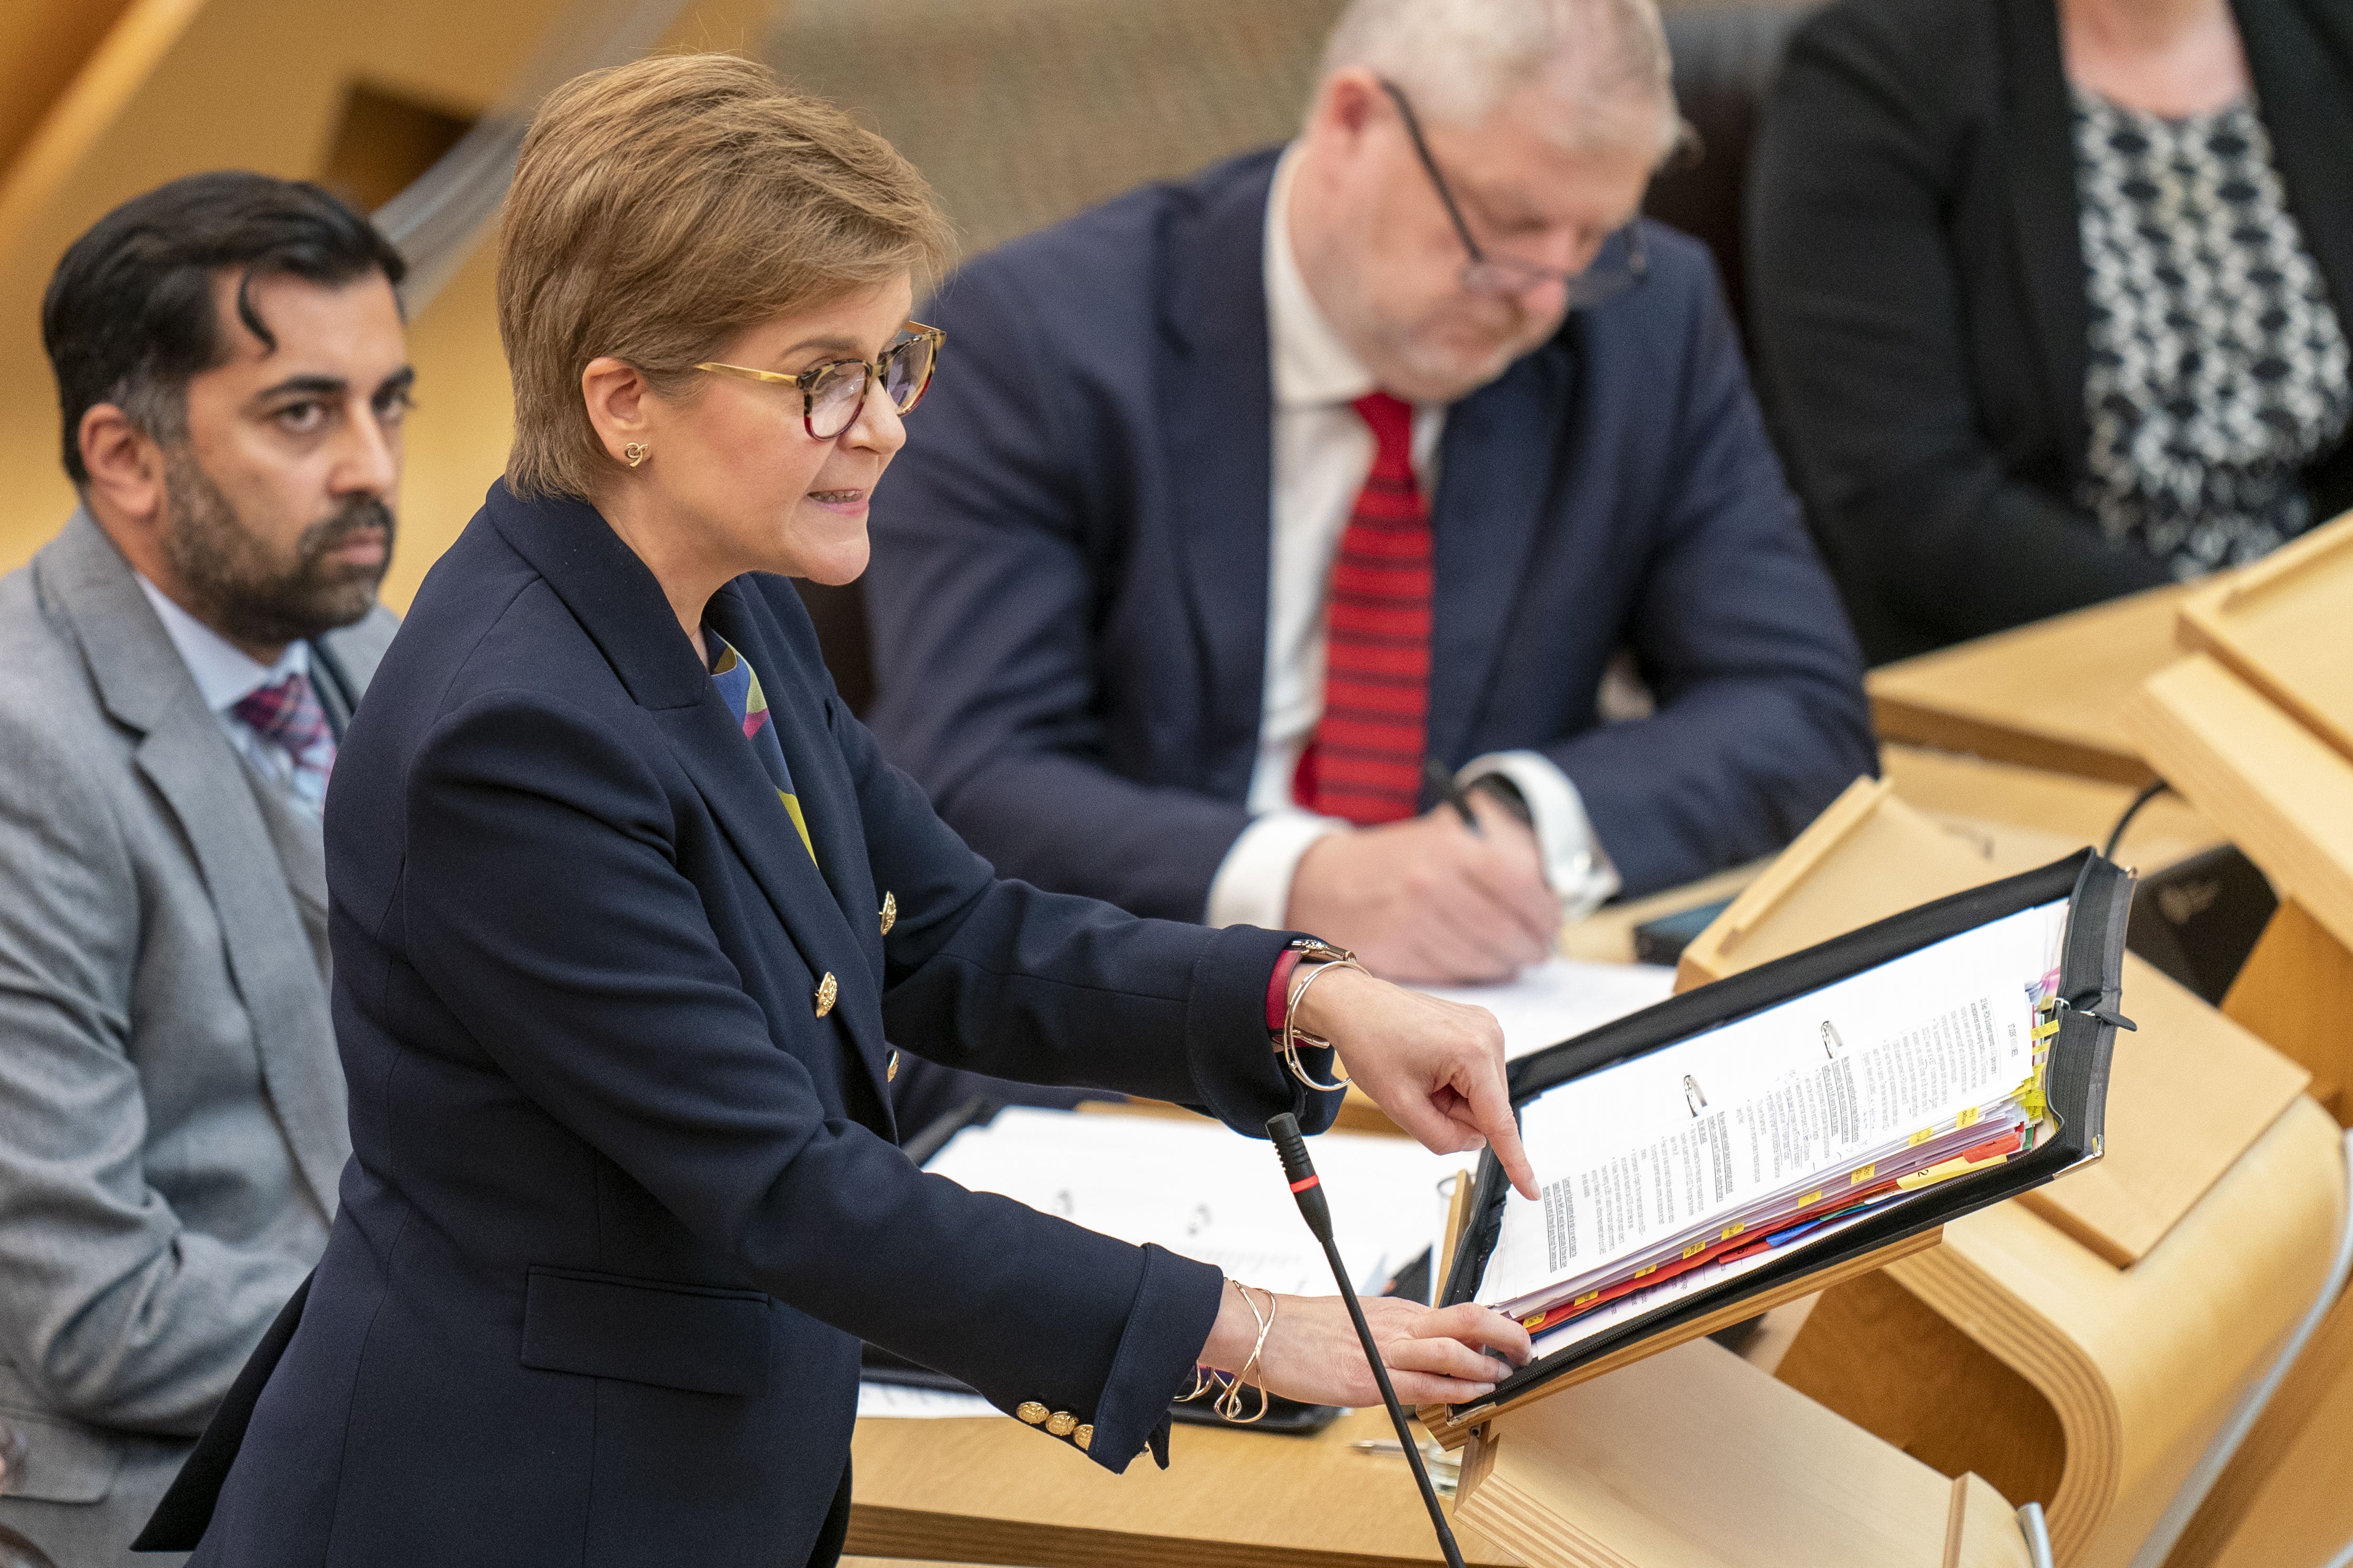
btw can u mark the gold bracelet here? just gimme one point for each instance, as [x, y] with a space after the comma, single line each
[1229, 1405]
[1292, 1036]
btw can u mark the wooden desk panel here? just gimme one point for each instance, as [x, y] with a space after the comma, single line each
[2045, 695]
[2025, 812]
[1694, 1459]
[2286, 794]
[2281, 625]
[995, 1491]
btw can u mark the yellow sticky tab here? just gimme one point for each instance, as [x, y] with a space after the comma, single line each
[1648, 1269]
[1694, 1250]
[1587, 1299]
[2045, 1031]
[1532, 1319]
[1921, 1136]
[1810, 1199]
[1734, 1228]
[1863, 1176]
[1967, 1118]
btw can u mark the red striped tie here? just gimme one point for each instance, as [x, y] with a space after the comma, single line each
[1365, 762]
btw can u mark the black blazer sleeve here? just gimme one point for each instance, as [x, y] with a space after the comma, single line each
[601, 994]
[1872, 214]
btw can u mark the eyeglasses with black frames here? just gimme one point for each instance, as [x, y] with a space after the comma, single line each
[833, 392]
[1621, 264]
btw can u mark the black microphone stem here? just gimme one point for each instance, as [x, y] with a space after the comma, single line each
[1307, 1187]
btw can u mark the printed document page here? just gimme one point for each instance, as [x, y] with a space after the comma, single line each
[1920, 1056]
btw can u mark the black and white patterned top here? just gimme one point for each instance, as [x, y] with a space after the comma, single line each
[2218, 365]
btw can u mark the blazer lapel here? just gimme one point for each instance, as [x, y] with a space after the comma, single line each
[711, 744]
[620, 605]
[2301, 54]
[188, 758]
[301, 848]
[193, 767]
[820, 779]
[1484, 519]
[1217, 399]
[2039, 149]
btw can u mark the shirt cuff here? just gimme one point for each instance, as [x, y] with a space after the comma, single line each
[1278, 991]
[1574, 863]
[1253, 887]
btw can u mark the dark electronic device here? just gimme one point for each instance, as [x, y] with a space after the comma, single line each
[1663, 941]
[2198, 919]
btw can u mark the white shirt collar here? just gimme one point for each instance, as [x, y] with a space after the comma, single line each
[1313, 367]
[225, 674]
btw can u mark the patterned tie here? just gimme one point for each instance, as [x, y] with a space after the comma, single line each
[1365, 761]
[288, 714]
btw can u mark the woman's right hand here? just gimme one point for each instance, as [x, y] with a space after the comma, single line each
[1434, 1355]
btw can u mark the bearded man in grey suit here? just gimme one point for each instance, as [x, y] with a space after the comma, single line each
[175, 670]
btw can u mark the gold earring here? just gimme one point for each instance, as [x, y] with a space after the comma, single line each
[633, 454]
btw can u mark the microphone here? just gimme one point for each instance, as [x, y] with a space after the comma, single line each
[1308, 1188]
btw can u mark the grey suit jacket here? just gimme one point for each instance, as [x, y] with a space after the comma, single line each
[171, 1114]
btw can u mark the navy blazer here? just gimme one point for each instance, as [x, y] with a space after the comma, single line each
[1069, 594]
[623, 1197]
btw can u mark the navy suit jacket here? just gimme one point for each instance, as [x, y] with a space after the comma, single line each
[1069, 594]
[621, 1204]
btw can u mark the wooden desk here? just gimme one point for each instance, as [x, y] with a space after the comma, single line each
[2046, 695]
[993, 1491]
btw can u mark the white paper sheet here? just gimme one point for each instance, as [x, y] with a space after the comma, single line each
[1560, 1000]
[889, 1401]
[1201, 1189]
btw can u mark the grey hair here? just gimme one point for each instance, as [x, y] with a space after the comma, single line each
[1456, 59]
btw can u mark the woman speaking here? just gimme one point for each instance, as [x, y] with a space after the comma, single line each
[627, 906]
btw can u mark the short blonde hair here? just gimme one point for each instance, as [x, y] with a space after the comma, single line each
[662, 207]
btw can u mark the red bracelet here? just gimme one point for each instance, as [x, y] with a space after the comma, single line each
[1278, 990]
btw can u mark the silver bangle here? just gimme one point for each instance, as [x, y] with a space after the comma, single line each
[1292, 1036]
[1229, 1405]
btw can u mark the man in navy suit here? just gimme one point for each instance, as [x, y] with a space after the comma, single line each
[1271, 489]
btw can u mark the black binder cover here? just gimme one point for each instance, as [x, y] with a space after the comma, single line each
[2090, 981]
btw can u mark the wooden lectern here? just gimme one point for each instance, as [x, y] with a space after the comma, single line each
[2080, 1345]
[1695, 1459]
[2255, 728]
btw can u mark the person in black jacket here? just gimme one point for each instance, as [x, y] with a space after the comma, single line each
[2048, 296]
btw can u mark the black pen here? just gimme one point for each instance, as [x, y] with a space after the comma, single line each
[1434, 773]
